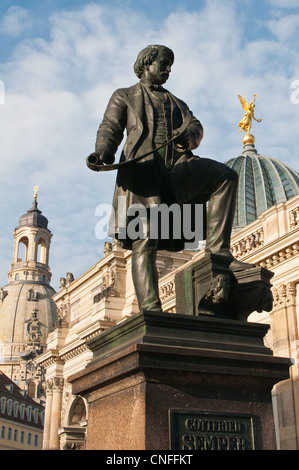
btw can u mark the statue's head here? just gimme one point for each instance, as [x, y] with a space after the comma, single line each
[148, 55]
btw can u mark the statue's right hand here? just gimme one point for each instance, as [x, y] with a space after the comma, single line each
[93, 161]
[96, 159]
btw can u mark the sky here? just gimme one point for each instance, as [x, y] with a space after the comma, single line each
[61, 60]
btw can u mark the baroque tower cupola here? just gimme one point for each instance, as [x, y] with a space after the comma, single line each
[32, 240]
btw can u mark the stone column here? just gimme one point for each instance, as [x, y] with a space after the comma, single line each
[32, 248]
[48, 413]
[56, 413]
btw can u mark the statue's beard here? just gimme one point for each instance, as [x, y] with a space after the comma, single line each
[159, 79]
[165, 76]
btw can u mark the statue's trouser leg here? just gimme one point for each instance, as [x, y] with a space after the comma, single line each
[144, 274]
[214, 182]
[220, 215]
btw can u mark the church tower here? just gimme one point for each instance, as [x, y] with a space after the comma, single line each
[27, 309]
[32, 240]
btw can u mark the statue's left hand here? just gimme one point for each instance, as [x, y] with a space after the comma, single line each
[183, 141]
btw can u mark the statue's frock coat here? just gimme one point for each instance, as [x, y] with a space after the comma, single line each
[149, 181]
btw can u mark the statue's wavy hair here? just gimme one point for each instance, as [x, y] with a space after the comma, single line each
[147, 57]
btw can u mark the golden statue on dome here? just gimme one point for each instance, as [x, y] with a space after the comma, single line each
[246, 123]
[35, 192]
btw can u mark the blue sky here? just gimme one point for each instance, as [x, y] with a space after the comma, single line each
[61, 60]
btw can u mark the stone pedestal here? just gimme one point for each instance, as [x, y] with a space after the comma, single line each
[209, 286]
[161, 381]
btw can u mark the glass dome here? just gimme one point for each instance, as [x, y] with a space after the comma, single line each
[263, 183]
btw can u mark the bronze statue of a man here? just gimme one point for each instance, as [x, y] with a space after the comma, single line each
[161, 127]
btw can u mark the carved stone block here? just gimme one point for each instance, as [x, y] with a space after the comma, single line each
[210, 287]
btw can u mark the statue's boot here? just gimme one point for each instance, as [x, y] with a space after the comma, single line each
[237, 265]
[145, 275]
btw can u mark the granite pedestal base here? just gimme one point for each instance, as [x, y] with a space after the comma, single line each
[161, 381]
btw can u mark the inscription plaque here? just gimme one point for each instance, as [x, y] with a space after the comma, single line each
[195, 430]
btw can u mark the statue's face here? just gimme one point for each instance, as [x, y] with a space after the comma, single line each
[158, 72]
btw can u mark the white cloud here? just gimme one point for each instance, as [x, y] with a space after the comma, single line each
[285, 28]
[15, 21]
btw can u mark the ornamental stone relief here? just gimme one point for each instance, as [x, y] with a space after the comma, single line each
[67, 394]
[284, 295]
[54, 384]
[247, 244]
[294, 217]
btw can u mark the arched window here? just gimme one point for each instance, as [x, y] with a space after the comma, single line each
[32, 295]
[77, 412]
[9, 406]
[15, 409]
[22, 411]
[23, 249]
[29, 412]
[3, 404]
[31, 389]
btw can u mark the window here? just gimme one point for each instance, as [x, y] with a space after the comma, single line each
[32, 295]
[15, 437]
[77, 412]
[15, 409]
[22, 411]
[3, 432]
[9, 434]
[23, 249]
[3, 403]
[29, 439]
[9, 406]
[22, 439]
[31, 389]
[75, 310]
[29, 411]
[35, 415]
[36, 440]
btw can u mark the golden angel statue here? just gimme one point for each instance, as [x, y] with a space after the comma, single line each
[35, 192]
[246, 122]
